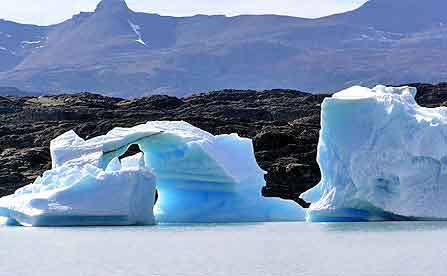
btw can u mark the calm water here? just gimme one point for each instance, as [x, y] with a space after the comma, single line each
[406, 248]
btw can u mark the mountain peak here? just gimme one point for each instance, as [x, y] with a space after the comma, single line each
[112, 6]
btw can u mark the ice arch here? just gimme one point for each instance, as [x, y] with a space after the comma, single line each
[200, 177]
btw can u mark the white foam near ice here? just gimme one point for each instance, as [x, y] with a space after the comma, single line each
[199, 178]
[382, 157]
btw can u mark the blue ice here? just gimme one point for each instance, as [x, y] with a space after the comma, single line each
[200, 178]
[382, 157]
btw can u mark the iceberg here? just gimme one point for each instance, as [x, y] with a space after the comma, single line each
[200, 178]
[382, 157]
[72, 195]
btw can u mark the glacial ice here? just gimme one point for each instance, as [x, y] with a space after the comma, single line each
[382, 157]
[72, 195]
[199, 178]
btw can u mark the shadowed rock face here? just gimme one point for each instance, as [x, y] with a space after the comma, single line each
[283, 124]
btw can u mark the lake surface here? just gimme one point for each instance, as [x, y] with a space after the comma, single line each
[400, 248]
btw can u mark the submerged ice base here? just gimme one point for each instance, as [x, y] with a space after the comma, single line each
[382, 157]
[199, 178]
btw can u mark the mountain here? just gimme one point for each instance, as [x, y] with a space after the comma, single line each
[119, 52]
[17, 41]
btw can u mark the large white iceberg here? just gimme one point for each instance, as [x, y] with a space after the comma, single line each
[382, 157]
[199, 178]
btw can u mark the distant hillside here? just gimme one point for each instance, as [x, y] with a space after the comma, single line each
[119, 52]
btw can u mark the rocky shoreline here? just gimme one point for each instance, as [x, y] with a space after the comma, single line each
[284, 125]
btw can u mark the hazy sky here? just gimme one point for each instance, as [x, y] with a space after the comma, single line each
[54, 11]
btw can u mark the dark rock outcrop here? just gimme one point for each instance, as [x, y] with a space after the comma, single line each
[283, 124]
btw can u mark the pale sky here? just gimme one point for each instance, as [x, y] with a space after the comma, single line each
[45, 12]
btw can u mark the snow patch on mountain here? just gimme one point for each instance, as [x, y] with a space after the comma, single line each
[136, 28]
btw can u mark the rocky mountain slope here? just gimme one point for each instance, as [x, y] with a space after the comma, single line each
[115, 49]
[284, 125]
